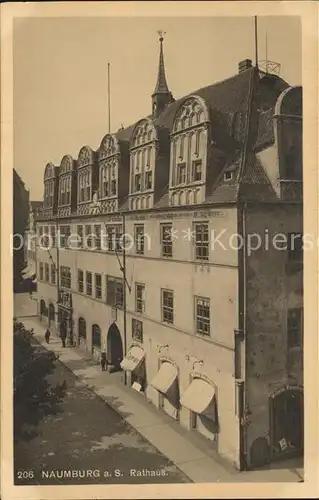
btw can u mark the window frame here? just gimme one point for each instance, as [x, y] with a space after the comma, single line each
[167, 310]
[201, 318]
[80, 282]
[166, 244]
[139, 242]
[140, 301]
[88, 283]
[201, 246]
[98, 288]
[292, 330]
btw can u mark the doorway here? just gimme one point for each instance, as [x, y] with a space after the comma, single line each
[287, 422]
[114, 346]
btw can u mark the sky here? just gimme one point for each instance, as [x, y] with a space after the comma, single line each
[60, 100]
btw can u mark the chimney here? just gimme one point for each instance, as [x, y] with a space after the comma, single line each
[245, 64]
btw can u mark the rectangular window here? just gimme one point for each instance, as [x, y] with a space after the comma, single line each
[46, 236]
[181, 173]
[53, 236]
[47, 272]
[97, 236]
[79, 231]
[88, 283]
[98, 286]
[41, 271]
[113, 186]
[65, 232]
[294, 328]
[201, 241]
[197, 170]
[137, 182]
[295, 247]
[80, 281]
[137, 330]
[65, 277]
[139, 239]
[166, 240]
[139, 298]
[148, 180]
[53, 274]
[202, 311]
[114, 291]
[105, 188]
[110, 235]
[88, 236]
[167, 306]
[118, 238]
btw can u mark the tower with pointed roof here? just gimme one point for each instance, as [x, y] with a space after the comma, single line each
[161, 96]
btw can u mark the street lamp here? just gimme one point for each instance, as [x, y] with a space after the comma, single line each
[96, 208]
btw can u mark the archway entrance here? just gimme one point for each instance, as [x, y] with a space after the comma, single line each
[114, 346]
[51, 314]
[287, 421]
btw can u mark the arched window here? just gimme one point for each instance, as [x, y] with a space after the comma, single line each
[196, 196]
[181, 147]
[82, 328]
[142, 202]
[181, 198]
[96, 336]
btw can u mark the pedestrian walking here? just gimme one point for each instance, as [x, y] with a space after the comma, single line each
[47, 336]
[103, 361]
[63, 333]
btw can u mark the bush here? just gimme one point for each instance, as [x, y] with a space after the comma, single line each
[34, 397]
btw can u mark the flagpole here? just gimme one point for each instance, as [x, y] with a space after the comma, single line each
[109, 95]
[256, 42]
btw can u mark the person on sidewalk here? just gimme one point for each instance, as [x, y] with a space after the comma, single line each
[47, 336]
[63, 333]
[103, 361]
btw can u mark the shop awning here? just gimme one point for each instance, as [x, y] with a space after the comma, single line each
[30, 270]
[165, 378]
[133, 359]
[199, 395]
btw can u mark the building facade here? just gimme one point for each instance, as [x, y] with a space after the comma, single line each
[20, 224]
[204, 319]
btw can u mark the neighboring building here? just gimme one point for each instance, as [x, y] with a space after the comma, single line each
[20, 223]
[210, 333]
[29, 272]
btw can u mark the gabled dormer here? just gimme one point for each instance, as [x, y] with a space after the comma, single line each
[67, 186]
[190, 141]
[113, 160]
[144, 154]
[87, 179]
[51, 186]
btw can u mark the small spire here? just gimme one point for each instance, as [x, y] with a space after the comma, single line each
[161, 84]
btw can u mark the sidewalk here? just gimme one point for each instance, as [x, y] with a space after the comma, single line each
[191, 454]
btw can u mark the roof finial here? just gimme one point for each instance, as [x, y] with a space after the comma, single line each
[161, 84]
[161, 35]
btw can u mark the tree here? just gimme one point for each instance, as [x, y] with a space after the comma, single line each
[34, 396]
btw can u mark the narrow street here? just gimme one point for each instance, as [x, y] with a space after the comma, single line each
[89, 437]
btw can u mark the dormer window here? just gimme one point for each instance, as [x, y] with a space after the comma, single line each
[197, 171]
[181, 173]
[148, 180]
[137, 182]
